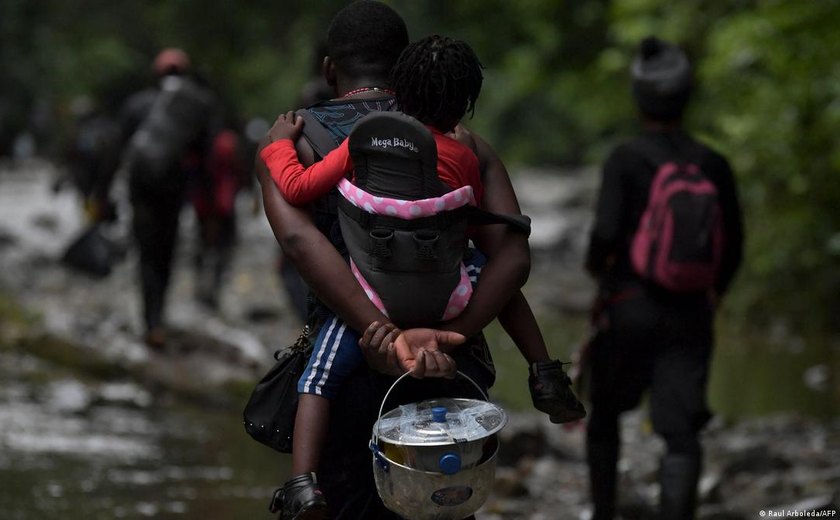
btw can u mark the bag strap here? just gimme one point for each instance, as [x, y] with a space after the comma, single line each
[318, 137]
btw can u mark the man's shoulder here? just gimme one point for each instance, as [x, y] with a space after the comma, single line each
[627, 151]
[711, 158]
[712, 152]
[339, 111]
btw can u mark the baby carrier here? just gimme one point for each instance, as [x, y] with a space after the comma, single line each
[404, 228]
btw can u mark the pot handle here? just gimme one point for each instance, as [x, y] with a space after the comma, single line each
[388, 393]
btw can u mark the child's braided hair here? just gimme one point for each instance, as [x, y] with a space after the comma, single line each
[437, 80]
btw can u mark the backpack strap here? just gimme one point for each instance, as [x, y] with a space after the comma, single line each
[316, 135]
[476, 215]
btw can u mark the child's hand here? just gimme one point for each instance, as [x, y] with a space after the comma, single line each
[287, 126]
[463, 136]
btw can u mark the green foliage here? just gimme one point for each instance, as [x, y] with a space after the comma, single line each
[773, 82]
[556, 92]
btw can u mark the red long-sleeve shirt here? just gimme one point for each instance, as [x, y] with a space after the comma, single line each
[457, 166]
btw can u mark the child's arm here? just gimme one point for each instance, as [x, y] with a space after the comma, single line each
[300, 185]
[520, 324]
[464, 136]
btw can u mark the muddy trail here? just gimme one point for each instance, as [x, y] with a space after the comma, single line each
[95, 425]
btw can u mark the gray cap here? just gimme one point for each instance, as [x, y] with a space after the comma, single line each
[662, 78]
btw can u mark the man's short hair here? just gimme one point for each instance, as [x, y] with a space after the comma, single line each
[366, 38]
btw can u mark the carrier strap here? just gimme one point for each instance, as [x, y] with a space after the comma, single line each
[316, 134]
[476, 215]
[443, 220]
[367, 220]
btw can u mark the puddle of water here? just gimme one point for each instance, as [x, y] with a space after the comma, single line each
[750, 376]
[754, 376]
[78, 450]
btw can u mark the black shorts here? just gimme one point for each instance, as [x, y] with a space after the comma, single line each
[663, 346]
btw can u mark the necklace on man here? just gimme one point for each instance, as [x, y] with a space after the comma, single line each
[368, 89]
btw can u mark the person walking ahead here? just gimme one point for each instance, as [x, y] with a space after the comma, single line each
[664, 248]
[167, 131]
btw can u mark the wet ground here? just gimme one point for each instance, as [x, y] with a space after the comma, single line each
[94, 425]
[136, 434]
[86, 449]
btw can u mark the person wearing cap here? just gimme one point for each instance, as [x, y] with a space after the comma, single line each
[158, 196]
[650, 338]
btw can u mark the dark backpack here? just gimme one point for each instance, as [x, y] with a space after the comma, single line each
[177, 118]
[679, 242]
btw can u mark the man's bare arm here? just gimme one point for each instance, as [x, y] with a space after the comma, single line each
[507, 250]
[317, 260]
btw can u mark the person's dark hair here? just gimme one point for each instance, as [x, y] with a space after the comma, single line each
[365, 39]
[437, 80]
[662, 79]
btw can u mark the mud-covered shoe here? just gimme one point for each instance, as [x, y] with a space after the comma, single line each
[551, 392]
[299, 499]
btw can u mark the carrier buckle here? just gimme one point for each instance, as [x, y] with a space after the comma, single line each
[426, 240]
[379, 242]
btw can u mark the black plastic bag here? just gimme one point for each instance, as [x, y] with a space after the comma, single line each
[269, 415]
[91, 252]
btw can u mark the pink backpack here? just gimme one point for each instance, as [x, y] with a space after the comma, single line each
[679, 241]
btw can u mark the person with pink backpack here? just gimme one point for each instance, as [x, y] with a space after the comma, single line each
[664, 248]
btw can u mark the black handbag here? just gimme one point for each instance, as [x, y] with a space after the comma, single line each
[269, 415]
[91, 252]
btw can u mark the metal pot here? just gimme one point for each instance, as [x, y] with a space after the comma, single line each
[436, 459]
[429, 495]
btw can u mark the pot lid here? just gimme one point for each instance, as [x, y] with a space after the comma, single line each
[440, 421]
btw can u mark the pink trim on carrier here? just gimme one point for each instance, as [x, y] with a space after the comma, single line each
[405, 209]
[409, 210]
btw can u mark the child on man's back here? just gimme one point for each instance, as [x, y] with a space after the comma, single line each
[437, 80]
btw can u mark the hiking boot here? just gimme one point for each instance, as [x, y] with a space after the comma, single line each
[299, 499]
[551, 392]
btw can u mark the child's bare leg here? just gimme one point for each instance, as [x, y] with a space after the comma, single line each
[300, 496]
[520, 324]
[311, 424]
[550, 387]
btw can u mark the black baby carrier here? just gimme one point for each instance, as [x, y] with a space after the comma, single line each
[404, 228]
